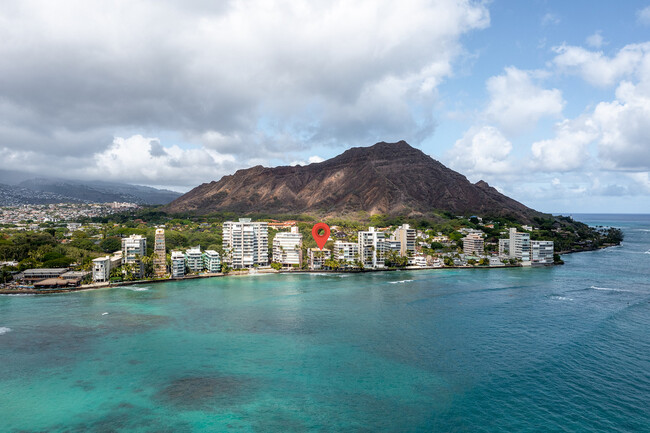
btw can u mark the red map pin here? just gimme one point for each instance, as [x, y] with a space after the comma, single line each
[320, 239]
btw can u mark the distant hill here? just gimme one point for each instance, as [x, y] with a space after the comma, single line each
[387, 178]
[50, 190]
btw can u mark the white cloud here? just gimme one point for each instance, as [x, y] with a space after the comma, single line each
[595, 40]
[568, 150]
[245, 76]
[311, 160]
[643, 16]
[625, 126]
[600, 70]
[481, 151]
[138, 159]
[517, 103]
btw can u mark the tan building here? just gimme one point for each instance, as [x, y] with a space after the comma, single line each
[160, 254]
[473, 244]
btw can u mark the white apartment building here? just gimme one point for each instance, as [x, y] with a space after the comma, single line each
[178, 264]
[517, 245]
[541, 252]
[372, 248]
[212, 261]
[473, 244]
[287, 248]
[346, 251]
[194, 259]
[245, 243]
[406, 237]
[317, 258]
[133, 248]
[101, 269]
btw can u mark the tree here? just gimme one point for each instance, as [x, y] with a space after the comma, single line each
[394, 260]
[277, 266]
[448, 261]
[110, 244]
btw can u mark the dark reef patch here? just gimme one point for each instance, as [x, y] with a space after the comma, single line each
[207, 392]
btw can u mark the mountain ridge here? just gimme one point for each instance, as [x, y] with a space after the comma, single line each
[386, 178]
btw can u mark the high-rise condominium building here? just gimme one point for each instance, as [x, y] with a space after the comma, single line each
[346, 251]
[473, 244]
[287, 248]
[406, 236]
[372, 248]
[133, 249]
[517, 246]
[245, 243]
[160, 254]
[178, 264]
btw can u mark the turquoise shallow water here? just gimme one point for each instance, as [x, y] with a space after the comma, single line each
[563, 349]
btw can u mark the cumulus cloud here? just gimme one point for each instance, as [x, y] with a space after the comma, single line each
[481, 151]
[234, 77]
[568, 150]
[144, 160]
[599, 69]
[624, 144]
[517, 103]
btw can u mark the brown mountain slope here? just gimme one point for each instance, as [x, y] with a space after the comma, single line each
[387, 178]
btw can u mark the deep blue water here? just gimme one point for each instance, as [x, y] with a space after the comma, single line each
[556, 349]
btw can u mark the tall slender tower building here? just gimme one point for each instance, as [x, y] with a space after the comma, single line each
[160, 252]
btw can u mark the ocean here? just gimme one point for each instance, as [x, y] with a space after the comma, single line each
[551, 349]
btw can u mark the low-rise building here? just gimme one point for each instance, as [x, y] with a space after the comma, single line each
[194, 259]
[542, 252]
[318, 257]
[212, 261]
[178, 264]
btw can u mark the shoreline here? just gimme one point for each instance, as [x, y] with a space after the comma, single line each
[234, 273]
[97, 286]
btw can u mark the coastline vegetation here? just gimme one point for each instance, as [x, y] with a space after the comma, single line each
[55, 245]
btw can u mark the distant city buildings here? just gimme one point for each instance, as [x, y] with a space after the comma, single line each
[287, 248]
[245, 243]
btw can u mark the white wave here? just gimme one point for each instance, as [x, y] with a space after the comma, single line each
[18, 294]
[104, 314]
[136, 289]
[400, 282]
[609, 289]
[4, 330]
[324, 274]
[560, 298]
[647, 252]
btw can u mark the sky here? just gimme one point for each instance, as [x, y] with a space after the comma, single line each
[548, 101]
